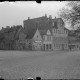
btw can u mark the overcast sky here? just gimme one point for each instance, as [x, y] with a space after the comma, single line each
[15, 13]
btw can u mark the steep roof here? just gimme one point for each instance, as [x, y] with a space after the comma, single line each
[31, 25]
[42, 23]
[31, 33]
[18, 32]
[57, 19]
[44, 32]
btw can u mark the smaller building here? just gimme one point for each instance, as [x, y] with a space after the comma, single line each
[20, 40]
[37, 41]
[42, 40]
[28, 44]
[73, 43]
[46, 39]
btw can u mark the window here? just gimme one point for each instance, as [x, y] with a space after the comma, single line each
[61, 31]
[37, 36]
[48, 38]
[48, 32]
[44, 46]
[54, 30]
[54, 38]
[47, 46]
[58, 31]
[53, 23]
[43, 37]
[59, 45]
[66, 32]
[54, 45]
[51, 38]
[50, 46]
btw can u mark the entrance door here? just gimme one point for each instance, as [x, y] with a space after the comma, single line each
[50, 46]
[44, 47]
[62, 46]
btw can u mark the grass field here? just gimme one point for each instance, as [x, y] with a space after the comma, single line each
[48, 65]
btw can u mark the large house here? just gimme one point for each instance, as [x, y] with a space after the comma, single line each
[43, 33]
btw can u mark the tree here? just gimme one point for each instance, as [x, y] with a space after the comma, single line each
[7, 37]
[71, 14]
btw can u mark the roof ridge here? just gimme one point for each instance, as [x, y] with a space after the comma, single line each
[17, 32]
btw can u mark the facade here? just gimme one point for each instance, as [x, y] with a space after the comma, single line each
[73, 44]
[60, 39]
[37, 41]
[28, 44]
[20, 40]
[47, 41]
[43, 33]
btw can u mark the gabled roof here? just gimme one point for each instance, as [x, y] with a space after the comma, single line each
[41, 23]
[44, 32]
[57, 19]
[31, 33]
[32, 25]
[18, 32]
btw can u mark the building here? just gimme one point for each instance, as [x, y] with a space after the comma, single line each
[60, 35]
[46, 39]
[37, 41]
[20, 39]
[42, 40]
[46, 33]
[74, 43]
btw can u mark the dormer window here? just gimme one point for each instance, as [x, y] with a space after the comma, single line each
[53, 24]
[48, 32]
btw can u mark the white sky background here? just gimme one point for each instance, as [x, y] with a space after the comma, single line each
[14, 13]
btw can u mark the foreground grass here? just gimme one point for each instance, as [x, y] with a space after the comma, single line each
[48, 65]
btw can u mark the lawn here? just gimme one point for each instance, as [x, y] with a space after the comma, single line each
[48, 65]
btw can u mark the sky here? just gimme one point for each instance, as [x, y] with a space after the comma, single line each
[13, 13]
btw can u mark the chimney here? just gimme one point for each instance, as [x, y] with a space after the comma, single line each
[46, 15]
[28, 18]
[50, 17]
[7, 27]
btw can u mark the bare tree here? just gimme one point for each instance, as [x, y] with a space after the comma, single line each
[71, 13]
